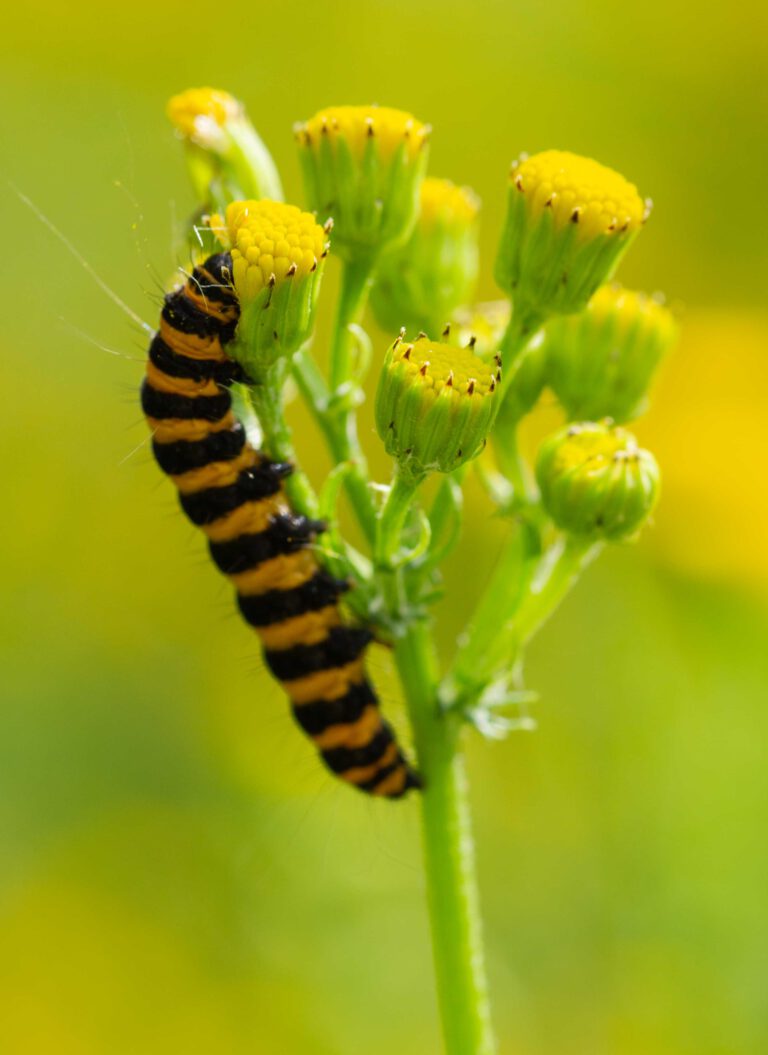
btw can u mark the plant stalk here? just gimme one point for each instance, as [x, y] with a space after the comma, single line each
[446, 830]
[449, 855]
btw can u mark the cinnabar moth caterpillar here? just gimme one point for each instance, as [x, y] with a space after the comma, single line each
[235, 494]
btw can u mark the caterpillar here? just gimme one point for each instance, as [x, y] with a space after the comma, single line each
[235, 494]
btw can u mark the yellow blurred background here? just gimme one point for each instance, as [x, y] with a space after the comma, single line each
[177, 873]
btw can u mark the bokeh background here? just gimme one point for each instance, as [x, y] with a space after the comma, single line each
[177, 874]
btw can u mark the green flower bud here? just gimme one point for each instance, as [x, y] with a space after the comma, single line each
[226, 158]
[420, 285]
[595, 482]
[569, 221]
[435, 405]
[363, 165]
[601, 361]
[278, 253]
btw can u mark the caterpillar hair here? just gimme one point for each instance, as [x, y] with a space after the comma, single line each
[235, 494]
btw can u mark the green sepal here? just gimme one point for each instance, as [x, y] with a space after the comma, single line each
[276, 322]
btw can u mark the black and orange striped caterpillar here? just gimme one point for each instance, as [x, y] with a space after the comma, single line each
[235, 494]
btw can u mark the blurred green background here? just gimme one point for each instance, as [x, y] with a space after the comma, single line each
[178, 874]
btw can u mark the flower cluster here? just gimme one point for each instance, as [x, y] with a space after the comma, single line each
[455, 378]
[467, 373]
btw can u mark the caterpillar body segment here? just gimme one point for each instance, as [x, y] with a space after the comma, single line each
[235, 495]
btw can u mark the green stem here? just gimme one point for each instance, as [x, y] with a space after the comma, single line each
[521, 328]
[482, 650]
[389, 528]
[445, 522]
[446, 831]
[356, 279]
[506, 447]
[558, 571]
[448, 853]
[518, 599]
[267, 401]
[331, 406]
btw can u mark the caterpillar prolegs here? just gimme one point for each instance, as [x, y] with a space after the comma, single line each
[234, 493]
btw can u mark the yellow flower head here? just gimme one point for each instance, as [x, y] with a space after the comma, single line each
[442, 201]
[438, 366]
[357, 124]
[197, 113]
[569, 222]
[435, 405]
[225, 155]
[363, 165]
[270, 242]
[580, 191]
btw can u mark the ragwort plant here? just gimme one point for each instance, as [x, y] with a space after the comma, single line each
[451, 391]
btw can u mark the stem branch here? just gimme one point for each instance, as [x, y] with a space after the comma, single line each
[333, 405]
[266, 400]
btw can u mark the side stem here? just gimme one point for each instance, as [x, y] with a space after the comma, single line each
[332, 406]
[267, 402]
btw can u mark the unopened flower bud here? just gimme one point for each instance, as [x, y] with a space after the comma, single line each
[602, 360]
[595, 482]
[226, 158]
[420, 284]
[278, 253]
[435, 405]
[363, 165]
[569, 221]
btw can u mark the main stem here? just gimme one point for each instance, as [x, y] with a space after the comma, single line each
[449, 855]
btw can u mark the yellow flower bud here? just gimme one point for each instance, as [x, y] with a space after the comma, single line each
[363, 166]
[435, 405]
[225, 155]
[596, 482]
[569, 221]
[278, 253]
